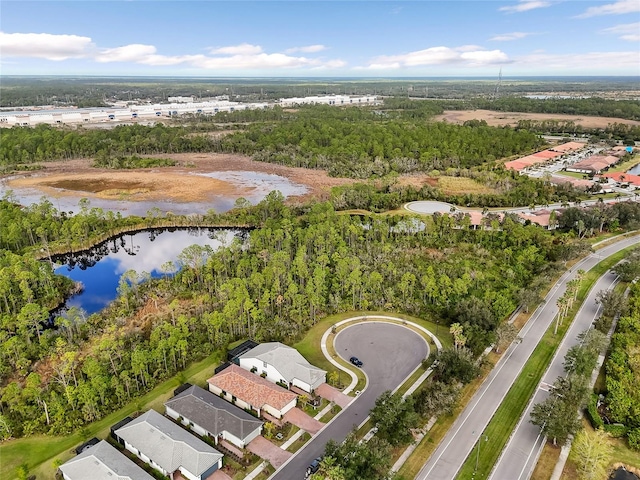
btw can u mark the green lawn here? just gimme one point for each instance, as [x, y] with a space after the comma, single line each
[508, 414]
[574, 174]
[39, 452]
[627, 165]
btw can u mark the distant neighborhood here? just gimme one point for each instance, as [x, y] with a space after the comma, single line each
[575, 157]
[203, 429]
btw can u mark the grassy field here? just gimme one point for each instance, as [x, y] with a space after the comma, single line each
[462, 185]
[508, 414]
[40, 452]
[578, 175]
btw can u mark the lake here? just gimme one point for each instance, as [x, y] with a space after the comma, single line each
[100, 268]
[634, 170]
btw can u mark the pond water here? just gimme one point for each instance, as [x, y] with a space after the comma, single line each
[100, 268]
[635, 170]
[259, 183]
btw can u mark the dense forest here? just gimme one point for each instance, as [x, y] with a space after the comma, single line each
[298, 266]
[623, 370]
[353, 143]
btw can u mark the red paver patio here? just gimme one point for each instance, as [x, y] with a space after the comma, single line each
[267, 450]
[333, 395]
[219, 475]
[302, 420]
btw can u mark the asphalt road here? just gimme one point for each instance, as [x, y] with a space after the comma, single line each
[453, 450]
[389, 353]
[519, 457]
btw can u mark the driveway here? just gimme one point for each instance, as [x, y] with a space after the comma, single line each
[333, 395]
[302, 420]
[390, 353]
[267, 450]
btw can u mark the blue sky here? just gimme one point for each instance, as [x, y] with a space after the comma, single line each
[320, 38]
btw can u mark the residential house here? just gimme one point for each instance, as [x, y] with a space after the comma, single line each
[102, 462]
[169, 448]
[208, 414]
[279, 363]
[252, 392]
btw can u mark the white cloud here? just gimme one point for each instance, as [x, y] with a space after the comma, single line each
[306, 49]
[617, 8]
[242, 49]
[525, 6]
[468, 55]
[44, 45]
[592, 62]
[626, 31]
[129, 53]
[507, 37]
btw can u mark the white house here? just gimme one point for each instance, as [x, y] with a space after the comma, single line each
[210, 415]
[283, 364]
[102, 462]
[252, 392]
[168, 447]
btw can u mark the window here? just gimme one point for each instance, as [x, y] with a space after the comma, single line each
[264, 364]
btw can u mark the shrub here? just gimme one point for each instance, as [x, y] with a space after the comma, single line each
[633, 437]
[616, 430]
[592, 413]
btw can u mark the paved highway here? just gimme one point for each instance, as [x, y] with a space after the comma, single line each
[520, 456]
[389, 353]
[447, 459]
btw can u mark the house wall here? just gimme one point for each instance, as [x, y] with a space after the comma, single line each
[279, 413]
[303, 385]
[187, 474]
[273, 375]
[239, 442]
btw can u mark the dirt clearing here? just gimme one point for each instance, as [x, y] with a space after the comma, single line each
[498, 119]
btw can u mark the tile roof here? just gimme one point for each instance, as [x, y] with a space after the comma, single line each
[213, 413]
[547, 154]
[103, 462]
[168, 444]
[288, 361]
[252, 388]
[568, 147]
[628, 177]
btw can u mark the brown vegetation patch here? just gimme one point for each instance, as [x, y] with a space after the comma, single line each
[498, 119]
[177, 183]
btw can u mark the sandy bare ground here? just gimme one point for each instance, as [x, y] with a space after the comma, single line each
[511, 118]
[174, 183]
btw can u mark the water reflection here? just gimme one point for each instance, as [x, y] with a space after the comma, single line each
[154, 251]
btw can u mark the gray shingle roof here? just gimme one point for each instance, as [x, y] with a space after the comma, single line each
[213, 413]
[103, 462]
[288, 361]
[168, 444]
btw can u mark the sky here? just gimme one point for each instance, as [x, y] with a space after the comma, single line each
[320, 38]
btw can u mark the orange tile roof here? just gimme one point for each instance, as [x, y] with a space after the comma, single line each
[547, 154]
[632, 179]
[568, 147]
[251, 388]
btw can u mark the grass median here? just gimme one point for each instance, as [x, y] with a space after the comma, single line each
[513, 405]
